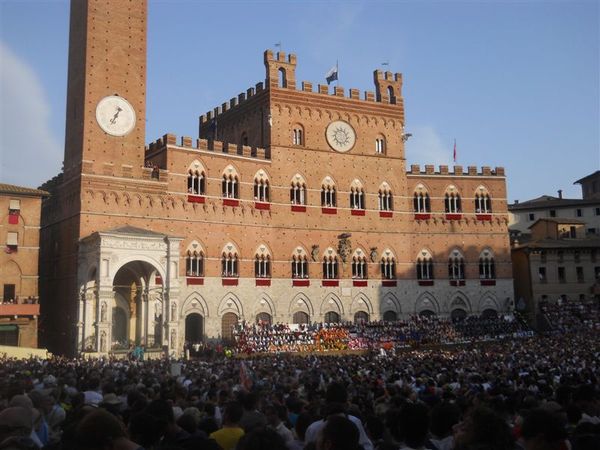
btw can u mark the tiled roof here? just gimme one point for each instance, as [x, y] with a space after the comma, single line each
[561, 243]
[592, 175]
[547, 202]
[21, 190]
[566, 220]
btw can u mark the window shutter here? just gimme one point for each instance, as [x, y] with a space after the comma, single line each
[12, 239]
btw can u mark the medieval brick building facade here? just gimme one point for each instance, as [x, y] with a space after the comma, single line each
[293, 205]
[20, 210]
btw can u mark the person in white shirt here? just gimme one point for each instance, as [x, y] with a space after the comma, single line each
[335, 398]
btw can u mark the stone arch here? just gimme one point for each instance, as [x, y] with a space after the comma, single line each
[361, 302]
[298, 178]
[488, 301]
[427, 301]
[230, 303]
[460, 301]
[482, 188]
[301, 303]
[385, 187]
[264, 303]
[231, 171]
[357, 183]
[328, 181]
[390, 302]
[194, 303]
[197, 166]
[156, 265]
[332, 302]
[262, 175]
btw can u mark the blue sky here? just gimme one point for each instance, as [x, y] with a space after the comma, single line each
[516, 82]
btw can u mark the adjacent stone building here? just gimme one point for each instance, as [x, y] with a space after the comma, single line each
[294, 204]
[558, 263]
[20, 210]
[585, 209]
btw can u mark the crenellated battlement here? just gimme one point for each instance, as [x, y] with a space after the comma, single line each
[207, 145]
[443, 170]
[281, 74]
[232, 103]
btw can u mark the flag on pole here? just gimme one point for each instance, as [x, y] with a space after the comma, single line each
[454, 150]
[332, 75]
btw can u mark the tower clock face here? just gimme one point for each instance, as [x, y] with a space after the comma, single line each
[340, 136]
[115, 115]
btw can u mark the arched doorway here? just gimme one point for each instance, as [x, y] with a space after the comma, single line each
[427, 313]
[458, 314]
[361, 317]
[489, 314]
[264, 318]
[301, 317]
[390, 316]
[119, 328]
[131, 286]
[194, 328]
[332, 317]
[228, 321]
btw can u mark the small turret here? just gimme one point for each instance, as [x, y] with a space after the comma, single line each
[388, 86]
[281, 71]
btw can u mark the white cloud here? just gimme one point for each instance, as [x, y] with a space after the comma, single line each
[29, 152]
[426, 147]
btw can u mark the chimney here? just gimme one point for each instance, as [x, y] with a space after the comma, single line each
[560, 193]
[516, 202]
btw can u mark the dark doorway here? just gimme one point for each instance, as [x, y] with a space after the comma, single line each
[228, 321]
[9, 292]
[332, 317]
[390, 316]
[427, 313]
[119, 328]
[361, 317]
[301, 317]
[458, 314]
[264, 318]
[489, 314]
[194, 328]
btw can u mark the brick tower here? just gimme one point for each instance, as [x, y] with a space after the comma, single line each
[107, 58]
[104, 142]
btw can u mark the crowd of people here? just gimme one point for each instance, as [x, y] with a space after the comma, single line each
[29, 300]
[539, 392]
[414, 332]
[572, 316]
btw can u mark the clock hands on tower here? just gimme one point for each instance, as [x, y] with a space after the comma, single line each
[114, 118]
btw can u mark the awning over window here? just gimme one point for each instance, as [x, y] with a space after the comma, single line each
[5, 328]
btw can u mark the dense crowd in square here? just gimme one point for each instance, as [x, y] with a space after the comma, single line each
[416, 331]
[502, 388]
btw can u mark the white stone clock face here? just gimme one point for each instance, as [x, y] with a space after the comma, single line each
[115, 115]
[340, 136]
